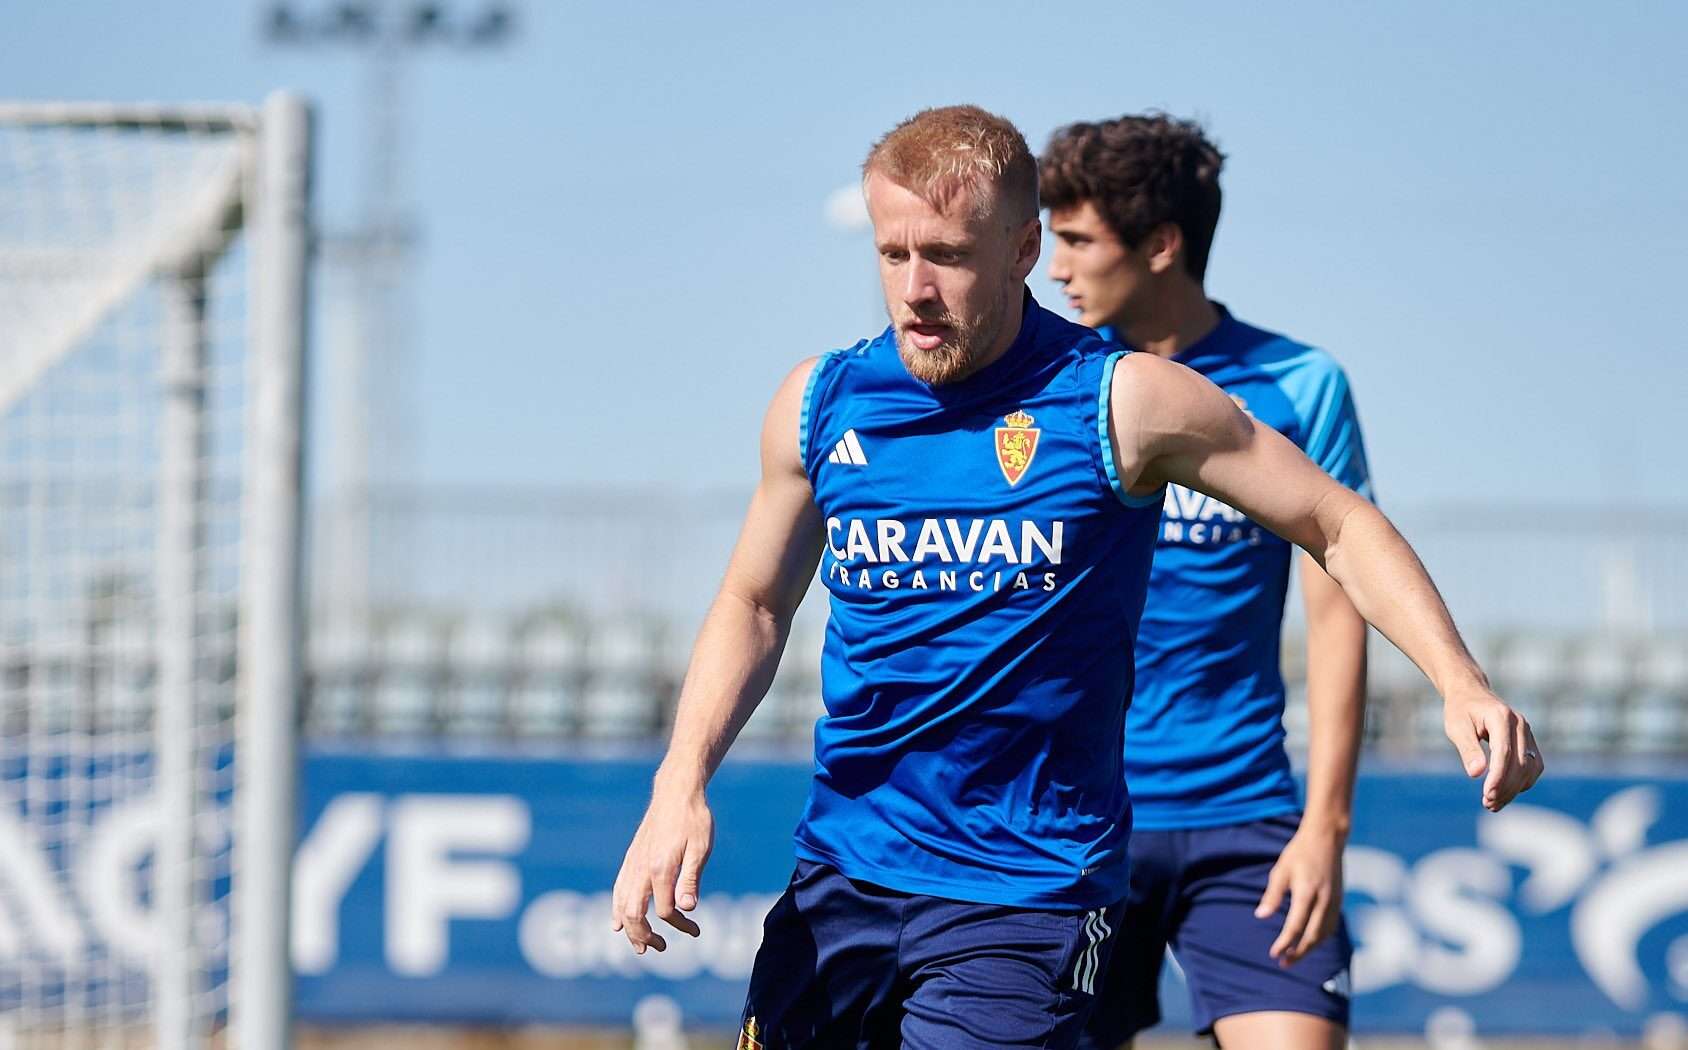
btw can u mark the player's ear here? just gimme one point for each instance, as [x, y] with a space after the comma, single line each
[1163, 248]
[1028, 246]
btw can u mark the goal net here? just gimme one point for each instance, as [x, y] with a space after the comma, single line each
[151, 318]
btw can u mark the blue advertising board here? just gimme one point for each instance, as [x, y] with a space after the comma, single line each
[478, 889]
[475, 889]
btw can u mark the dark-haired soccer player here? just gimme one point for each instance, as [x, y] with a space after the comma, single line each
[1227, 867]
[980, 486]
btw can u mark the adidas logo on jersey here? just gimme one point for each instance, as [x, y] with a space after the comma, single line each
[848, 450]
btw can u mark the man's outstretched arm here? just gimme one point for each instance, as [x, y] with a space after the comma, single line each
[1170, 424]
[733, 662]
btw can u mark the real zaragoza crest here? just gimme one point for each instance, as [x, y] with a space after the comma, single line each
[1016, 444]
[750, 1036]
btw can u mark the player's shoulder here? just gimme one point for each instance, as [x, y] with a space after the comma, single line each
[1286, 357]
[1310, 378]
[800, 380]
[817, 384]
[1144, 367]
[1147, 384]
[860, 355]
[1159, 405]
[827, 367]
[803, 395]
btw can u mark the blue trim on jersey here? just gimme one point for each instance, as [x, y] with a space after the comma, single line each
[808, 396]
[1102, 402]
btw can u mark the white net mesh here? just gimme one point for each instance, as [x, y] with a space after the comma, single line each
[122, 339]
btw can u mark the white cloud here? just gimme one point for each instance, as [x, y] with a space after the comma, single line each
[845, 208]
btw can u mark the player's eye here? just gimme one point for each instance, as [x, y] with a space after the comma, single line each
[893, 255]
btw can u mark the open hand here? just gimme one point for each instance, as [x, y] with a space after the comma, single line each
[1309, 872]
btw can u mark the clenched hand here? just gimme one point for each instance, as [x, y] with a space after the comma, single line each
[1514, 762]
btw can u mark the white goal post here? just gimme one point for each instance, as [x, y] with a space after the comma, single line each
[153, 264]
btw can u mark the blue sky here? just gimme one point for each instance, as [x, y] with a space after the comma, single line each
[1478, 207]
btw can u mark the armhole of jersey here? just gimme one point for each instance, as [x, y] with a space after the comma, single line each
[804, 416]
[1104, 398]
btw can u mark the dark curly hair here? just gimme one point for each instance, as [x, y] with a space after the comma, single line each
[1139, 172]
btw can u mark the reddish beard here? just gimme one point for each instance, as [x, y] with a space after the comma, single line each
[955, 358]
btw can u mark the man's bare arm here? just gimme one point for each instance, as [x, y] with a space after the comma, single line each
[1336, 697]
[1309, 870]
[1170, 424]
[733, 662]
[739, 646]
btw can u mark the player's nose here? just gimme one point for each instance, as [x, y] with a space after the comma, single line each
[1059, 271]
[919, 285]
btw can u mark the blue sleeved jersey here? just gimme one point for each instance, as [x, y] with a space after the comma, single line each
[1204, 736]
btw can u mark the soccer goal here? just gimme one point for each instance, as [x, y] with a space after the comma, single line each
[152, 310]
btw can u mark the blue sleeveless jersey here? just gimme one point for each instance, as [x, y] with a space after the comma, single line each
[1205, 734]
[985, 574]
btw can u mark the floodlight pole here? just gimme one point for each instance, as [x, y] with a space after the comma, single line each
[373, 411]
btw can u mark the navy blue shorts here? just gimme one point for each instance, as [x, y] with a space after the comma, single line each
[845, 964]
[1197, 890]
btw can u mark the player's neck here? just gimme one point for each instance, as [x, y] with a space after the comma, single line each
[1179, 316]
[1011, 322]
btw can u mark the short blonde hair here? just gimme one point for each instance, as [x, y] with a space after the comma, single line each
[937, 153]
